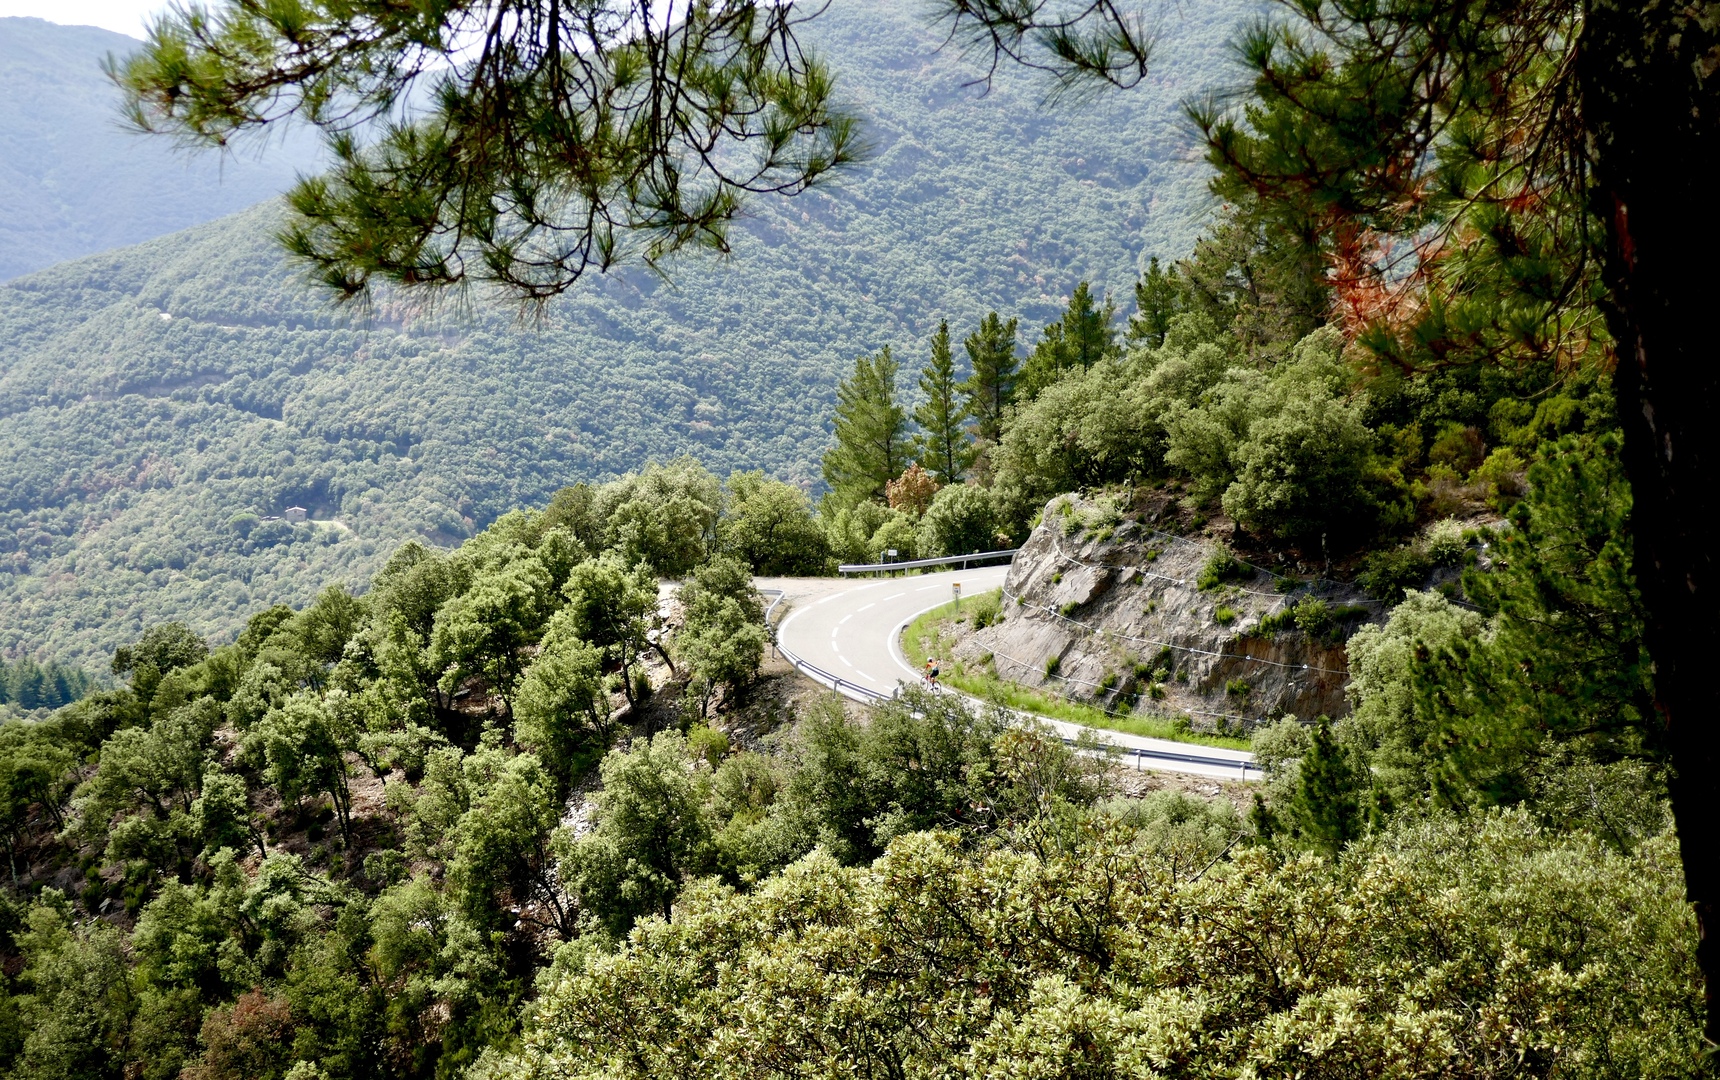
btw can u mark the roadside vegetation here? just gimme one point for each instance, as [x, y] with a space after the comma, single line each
[935, 632]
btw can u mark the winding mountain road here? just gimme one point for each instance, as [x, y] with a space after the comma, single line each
[847, 635]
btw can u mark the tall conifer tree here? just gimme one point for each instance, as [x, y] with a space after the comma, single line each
[1159, 294]
[871, 431]
[1078, 340]
[944, 449]
[1326, 803]
[991, 386]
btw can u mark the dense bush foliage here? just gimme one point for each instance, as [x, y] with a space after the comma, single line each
[341, 846]
[339, 840]
[1295, 439]
[1538, 692]
[1125, 945]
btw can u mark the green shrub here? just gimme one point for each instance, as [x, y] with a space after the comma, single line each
[1221, 568]
[1444, 542]
[958, 522]
[1237, 688]
[1503, 475]
[1108, 683]
[1459, 448]
[1107, 514]
[708, 745]
[1387, 574]
[985, 609]
[1224, 614]
[1313, 617]
[1052, 666]
[899, 531]
[1300, 474]
[1276, 623]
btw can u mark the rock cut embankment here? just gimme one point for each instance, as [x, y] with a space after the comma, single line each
[1105, 608]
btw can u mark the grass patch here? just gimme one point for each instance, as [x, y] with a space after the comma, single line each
[926, 633]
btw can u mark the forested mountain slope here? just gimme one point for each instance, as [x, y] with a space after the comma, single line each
[76, 183]
[155, 400]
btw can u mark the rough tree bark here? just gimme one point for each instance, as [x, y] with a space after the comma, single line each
[1649, 76]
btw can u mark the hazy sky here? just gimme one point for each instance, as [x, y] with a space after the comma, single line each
[122, 16]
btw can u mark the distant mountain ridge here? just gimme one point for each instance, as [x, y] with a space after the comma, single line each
[76, 183]
[155, 395]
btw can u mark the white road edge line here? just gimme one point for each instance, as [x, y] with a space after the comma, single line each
[894, 641]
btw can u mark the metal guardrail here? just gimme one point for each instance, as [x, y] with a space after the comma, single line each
[1140, 755]
[813, 671]
[915, 564]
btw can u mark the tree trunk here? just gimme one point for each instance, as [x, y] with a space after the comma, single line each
[1650, 97]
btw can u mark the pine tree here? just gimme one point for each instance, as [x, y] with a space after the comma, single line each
[991, 387]
[1080, 339]
[871, 431]
[1159, 295]
[943, 447]
[517, 173]
[1326, 807]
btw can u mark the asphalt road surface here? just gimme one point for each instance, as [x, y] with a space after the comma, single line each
[851, 631]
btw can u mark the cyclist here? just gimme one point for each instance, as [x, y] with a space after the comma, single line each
[932, 673]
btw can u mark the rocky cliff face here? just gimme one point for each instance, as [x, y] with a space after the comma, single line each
[1101, 606]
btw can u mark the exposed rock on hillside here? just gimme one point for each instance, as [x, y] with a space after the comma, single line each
[1104, 607]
